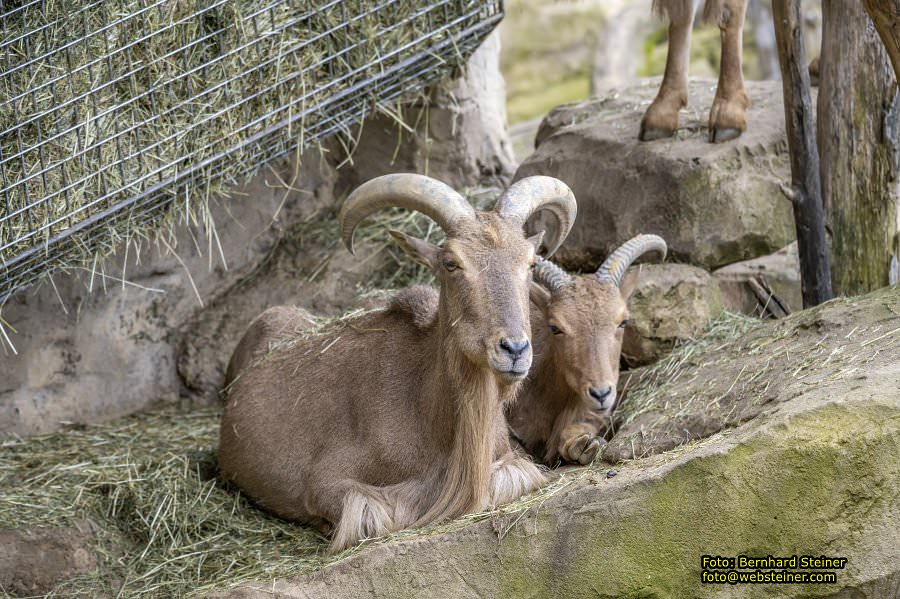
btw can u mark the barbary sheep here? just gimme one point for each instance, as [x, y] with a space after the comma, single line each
[577, 326]
[391, 420]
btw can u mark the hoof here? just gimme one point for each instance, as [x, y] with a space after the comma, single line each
[717, 135]
[585, 449]
[654, 133]
[590, 452]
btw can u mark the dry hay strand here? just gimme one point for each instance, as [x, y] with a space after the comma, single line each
[163, 525]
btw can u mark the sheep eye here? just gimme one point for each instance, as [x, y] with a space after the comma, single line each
[450, 265]
[555, 330]
[626, 322]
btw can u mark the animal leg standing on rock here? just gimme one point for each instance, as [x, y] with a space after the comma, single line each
[577, 323]
[396, 418]
[661, 118]
[728, 114]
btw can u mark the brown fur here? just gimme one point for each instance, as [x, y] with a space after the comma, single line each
[675, 10]
[420, 302]
[727, 117]
[394, 418]
[267, 329]
[555, 417]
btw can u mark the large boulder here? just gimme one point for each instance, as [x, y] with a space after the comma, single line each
[713, 203]
[800, 457]
[846, 350]
[671, 304]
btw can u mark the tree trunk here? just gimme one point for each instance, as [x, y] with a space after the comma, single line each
[859, 149]
[805, 191]
[885, 15]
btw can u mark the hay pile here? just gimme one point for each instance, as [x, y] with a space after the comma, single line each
[105, 100]
[163, 525]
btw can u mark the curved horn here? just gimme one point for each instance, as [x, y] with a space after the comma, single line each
[614, 267]
[528, 195]
[550, 275]
[429, 196]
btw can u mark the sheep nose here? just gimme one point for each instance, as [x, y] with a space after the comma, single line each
[600, 394]
[514, 347]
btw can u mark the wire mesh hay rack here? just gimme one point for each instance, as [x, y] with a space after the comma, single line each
[112, 109]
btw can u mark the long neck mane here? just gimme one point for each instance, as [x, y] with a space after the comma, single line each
[470, 401]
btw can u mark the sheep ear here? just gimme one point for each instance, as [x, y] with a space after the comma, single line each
[629, 282]
[419, 250]
[540, 297]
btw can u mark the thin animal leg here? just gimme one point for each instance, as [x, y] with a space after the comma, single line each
[728, 115]
[661, 118]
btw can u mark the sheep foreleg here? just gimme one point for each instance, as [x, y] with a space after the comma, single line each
[728, 115]
[580, 443]
[661, 118]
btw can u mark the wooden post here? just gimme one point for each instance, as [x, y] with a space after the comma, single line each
[805, 189]
[858, 132]
[885, 15]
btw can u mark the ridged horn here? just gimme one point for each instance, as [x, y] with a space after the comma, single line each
[550, 275]
[434, 199]
[613, 268]
[528, 195]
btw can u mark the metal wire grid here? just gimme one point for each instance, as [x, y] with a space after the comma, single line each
[330, 63]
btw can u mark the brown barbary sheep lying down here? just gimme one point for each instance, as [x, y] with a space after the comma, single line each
[397, 419]
[577, 325]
